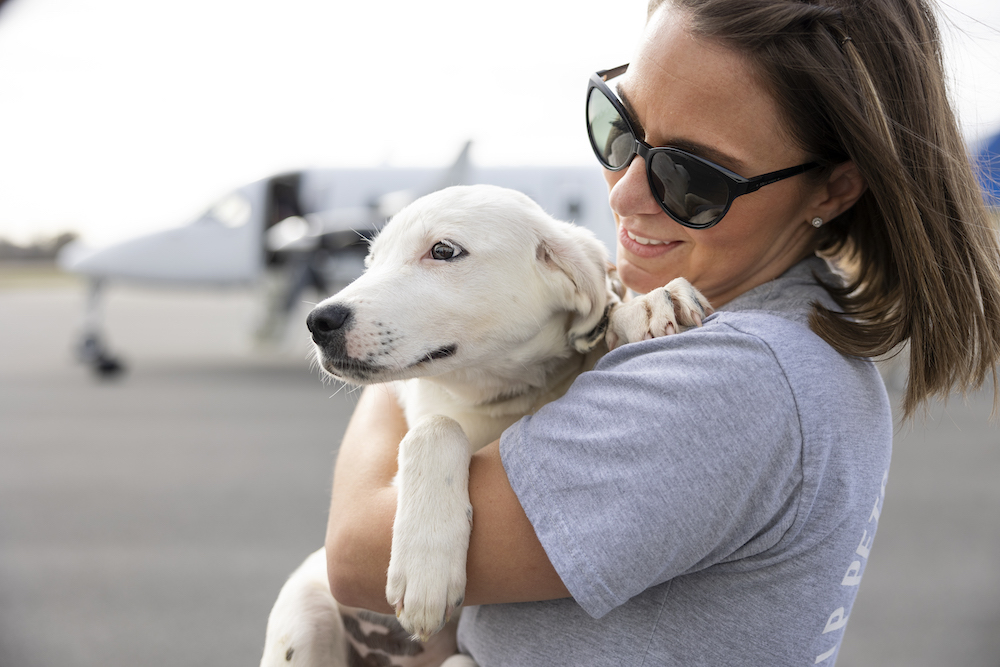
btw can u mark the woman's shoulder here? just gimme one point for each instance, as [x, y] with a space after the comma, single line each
[760, 359]
[729, 343]
[766, 326]
[792, 295]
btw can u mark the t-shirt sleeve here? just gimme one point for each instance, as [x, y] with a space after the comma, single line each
[670, 456]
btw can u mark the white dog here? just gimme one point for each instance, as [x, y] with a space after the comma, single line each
[480, 308]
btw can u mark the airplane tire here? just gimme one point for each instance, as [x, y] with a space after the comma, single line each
[108, 367]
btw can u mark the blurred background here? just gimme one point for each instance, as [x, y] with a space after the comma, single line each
[150, 516]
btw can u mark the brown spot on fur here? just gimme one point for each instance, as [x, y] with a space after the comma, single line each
[355, 659]
[394, 641]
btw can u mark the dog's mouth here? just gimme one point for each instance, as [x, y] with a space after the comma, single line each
[349, 369]
[440, 353]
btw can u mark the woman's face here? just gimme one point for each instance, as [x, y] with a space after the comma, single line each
[694, 94]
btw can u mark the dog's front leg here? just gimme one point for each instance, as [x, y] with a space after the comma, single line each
[430, 535]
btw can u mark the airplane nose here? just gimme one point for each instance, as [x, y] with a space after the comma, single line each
[327, 322]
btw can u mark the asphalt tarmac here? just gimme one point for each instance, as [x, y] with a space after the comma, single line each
[151, 520]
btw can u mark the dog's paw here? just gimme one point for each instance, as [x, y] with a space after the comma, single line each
[664, 311]
[426, 579]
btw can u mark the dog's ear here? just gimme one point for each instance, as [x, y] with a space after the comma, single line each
[578, 262]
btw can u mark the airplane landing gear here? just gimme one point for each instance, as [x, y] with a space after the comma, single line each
[93, 353]
[91, 349]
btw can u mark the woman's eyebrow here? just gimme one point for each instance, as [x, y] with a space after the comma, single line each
[632, 117]
[693, 147]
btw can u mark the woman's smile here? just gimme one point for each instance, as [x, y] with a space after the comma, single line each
[643, 246]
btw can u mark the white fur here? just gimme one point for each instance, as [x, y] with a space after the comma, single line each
[304, 627]
[472, 343]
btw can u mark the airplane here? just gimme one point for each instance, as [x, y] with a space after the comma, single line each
[986, 163]
[312, 226]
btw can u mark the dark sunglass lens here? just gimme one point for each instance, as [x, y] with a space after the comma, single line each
[608, 131]
[691, 191]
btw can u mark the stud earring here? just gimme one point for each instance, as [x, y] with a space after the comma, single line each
[817, 222]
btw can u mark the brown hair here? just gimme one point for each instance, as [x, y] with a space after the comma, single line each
[863, 80]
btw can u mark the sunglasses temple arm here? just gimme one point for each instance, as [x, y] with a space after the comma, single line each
[612, 73]
[757, 182]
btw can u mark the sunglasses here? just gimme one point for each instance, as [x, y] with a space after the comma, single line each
[692, 190]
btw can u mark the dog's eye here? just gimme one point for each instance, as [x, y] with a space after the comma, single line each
[445, 250]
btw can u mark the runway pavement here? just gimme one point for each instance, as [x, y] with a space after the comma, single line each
[151, 520]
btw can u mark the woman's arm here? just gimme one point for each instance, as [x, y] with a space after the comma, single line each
[506, 561]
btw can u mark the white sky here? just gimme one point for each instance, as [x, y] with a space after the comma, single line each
[122, 116]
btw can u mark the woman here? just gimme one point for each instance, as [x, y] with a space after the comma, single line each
[712, 497]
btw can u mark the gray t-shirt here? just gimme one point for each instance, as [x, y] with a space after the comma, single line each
[708, 498]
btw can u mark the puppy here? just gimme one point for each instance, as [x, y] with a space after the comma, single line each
[479, 308]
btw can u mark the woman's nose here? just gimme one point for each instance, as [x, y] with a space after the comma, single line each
[630, 193]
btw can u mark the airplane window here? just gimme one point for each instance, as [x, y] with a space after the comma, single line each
[287, 232]
[233, 211]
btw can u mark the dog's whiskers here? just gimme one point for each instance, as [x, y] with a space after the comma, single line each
[341, 387]
[395, 360]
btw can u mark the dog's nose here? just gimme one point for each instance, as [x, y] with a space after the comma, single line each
[326, 322]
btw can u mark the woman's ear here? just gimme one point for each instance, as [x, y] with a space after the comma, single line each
[842, 189]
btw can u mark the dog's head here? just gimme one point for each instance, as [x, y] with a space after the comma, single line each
[468, 278]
